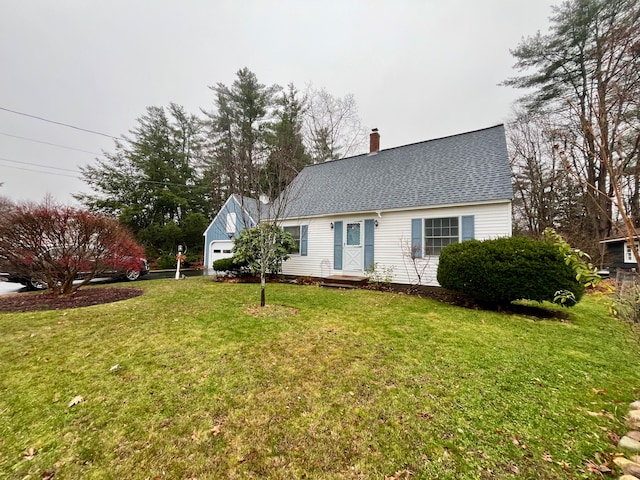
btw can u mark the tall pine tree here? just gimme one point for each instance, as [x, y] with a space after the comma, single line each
[287, 153]
[151, 182]
[240, 127]
[585, 77]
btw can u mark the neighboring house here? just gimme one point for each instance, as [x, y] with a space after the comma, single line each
[236, 214]
[397, 208]
[618, 255]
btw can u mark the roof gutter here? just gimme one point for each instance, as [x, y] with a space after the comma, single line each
[379, 212]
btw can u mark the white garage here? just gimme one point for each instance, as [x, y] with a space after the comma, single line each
[219, 249]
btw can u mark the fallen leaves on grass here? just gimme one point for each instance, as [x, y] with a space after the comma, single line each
[400, 474]
[601, 413]
[518, 443]
[613, 437]
[270, 311]
[204, 375]
[597, 469]
[30, 454]
[76, 400]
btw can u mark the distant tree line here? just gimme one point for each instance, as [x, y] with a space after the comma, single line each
[575, 141]
[173, 172]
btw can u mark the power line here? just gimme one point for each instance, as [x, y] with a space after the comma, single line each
[80, 173]
[38, 165]
[49, 143]
[41, 171]
[60, 123]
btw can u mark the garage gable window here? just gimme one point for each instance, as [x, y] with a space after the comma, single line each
[231, 223]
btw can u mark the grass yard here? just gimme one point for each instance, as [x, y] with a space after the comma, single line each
[183, 382]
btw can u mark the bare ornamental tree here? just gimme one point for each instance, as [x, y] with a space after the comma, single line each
[57, 244]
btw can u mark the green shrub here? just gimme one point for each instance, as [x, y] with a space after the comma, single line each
[231, 265]
[497, 272]
[263, 248]
[166, 261]
[193, 260]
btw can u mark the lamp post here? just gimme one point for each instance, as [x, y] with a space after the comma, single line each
[179, 258]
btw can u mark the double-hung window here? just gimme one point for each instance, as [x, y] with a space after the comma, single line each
[295, 233]
[440, 232]
[628, 253]
[430, 235]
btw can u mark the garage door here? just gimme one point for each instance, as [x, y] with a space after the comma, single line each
[220, 249]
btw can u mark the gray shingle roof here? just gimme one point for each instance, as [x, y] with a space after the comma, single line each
[250, 205]
[465, 168]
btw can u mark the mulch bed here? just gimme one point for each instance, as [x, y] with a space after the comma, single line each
[29, 302]
[461, 300]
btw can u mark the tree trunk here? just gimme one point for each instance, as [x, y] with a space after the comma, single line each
[263, 282]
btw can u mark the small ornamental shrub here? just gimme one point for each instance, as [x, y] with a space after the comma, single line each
[380, 276]
[497, 272]
[57, 245]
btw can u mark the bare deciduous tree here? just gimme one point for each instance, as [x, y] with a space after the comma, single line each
[415, 265]
[332, 126]
[586, 73]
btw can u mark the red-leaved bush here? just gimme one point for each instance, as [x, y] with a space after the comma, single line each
[58, 244]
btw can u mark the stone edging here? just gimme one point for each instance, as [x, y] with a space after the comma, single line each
[630, 443]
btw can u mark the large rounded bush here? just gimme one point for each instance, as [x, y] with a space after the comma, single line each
[497, 272]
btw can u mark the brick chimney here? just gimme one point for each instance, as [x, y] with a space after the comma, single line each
[374, 141]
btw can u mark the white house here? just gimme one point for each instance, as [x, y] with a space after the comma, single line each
[397, 208]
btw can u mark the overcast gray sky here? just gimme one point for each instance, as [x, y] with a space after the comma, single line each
[419, 69]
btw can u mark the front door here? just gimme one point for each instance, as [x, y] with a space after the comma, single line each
[353, 247]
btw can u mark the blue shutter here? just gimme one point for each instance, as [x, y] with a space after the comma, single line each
[468, 226]
[337, 245]
[304, 234]
[416, 238]
[369, 230]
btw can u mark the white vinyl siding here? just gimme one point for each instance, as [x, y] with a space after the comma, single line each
[393, 240]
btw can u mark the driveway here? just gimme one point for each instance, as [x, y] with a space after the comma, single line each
[9, 287]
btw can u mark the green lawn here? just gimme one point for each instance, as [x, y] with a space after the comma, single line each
[356, 385]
